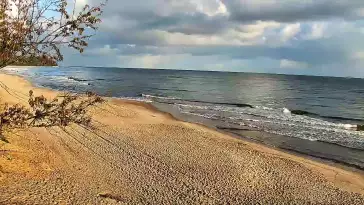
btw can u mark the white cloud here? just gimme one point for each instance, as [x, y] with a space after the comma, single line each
[181, 39]
[241, 35]
[150, 61]
[260, 26]
[289, 64]
[106, 50]
[210, 7]
[360, 12]
[317, 30]
[290, 31]
[359, 55]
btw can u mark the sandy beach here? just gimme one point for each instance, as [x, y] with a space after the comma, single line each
[138, 155]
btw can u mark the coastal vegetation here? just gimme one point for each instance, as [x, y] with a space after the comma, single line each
[33, 32]
[35, 61]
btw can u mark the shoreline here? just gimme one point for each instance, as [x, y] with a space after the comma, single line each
[345, 179]
[153, 107]
[244, 137]
[249, 135]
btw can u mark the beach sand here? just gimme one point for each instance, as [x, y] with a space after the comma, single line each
[138, 155]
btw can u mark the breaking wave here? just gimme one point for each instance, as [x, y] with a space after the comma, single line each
[282, 121]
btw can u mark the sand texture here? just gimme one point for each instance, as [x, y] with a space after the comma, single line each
[137, 155]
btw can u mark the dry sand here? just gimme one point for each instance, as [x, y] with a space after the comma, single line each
[138, 155]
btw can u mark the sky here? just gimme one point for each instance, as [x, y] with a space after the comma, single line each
[309, 37]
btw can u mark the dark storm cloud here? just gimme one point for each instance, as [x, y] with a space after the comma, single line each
[147, 16]
[315, 52]
[293, 11]
[237, 11]
[163, 15]
[197, 23]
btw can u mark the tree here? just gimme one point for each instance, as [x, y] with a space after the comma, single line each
[35, 61]
[35, 30]
[38, 28]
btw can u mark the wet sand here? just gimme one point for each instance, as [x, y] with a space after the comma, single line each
[329, 153]
[138, 155]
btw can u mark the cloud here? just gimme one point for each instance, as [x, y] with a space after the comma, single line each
[290, 31]
[293, 10]
[317, 30]
[104, 51]
[251, 35]
[359, 55]
[150, 61]
[292, 64]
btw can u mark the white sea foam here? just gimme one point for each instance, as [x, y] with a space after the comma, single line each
[286, 111]
[200, 115]
[193, 106]
[252, 120]
[264, 108]
[349, 126]
[282, 123]
[139, 99]
[158, 97]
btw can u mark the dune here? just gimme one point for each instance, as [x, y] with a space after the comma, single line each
[138, 155]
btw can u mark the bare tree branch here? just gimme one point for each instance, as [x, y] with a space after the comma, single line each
[38, 28]
[61, 111]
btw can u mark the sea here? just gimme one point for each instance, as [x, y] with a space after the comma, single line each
[310, 115]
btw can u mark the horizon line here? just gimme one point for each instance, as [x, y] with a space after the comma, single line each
[219, 71]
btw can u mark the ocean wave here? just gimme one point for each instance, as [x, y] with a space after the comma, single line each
[193, 106]
[295, 123]
[343, 118]
[212, 117]
[303, 112]
[59, 78]
[171, 89]
[78, 79]
[139, 99]
[307, 113]
[272, 113]
[84, 80]
[281, 116]
[158, 97]
[264, 108]
[277, 122]
[241, 105]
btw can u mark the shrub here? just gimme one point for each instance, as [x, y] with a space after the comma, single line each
[61, 111]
